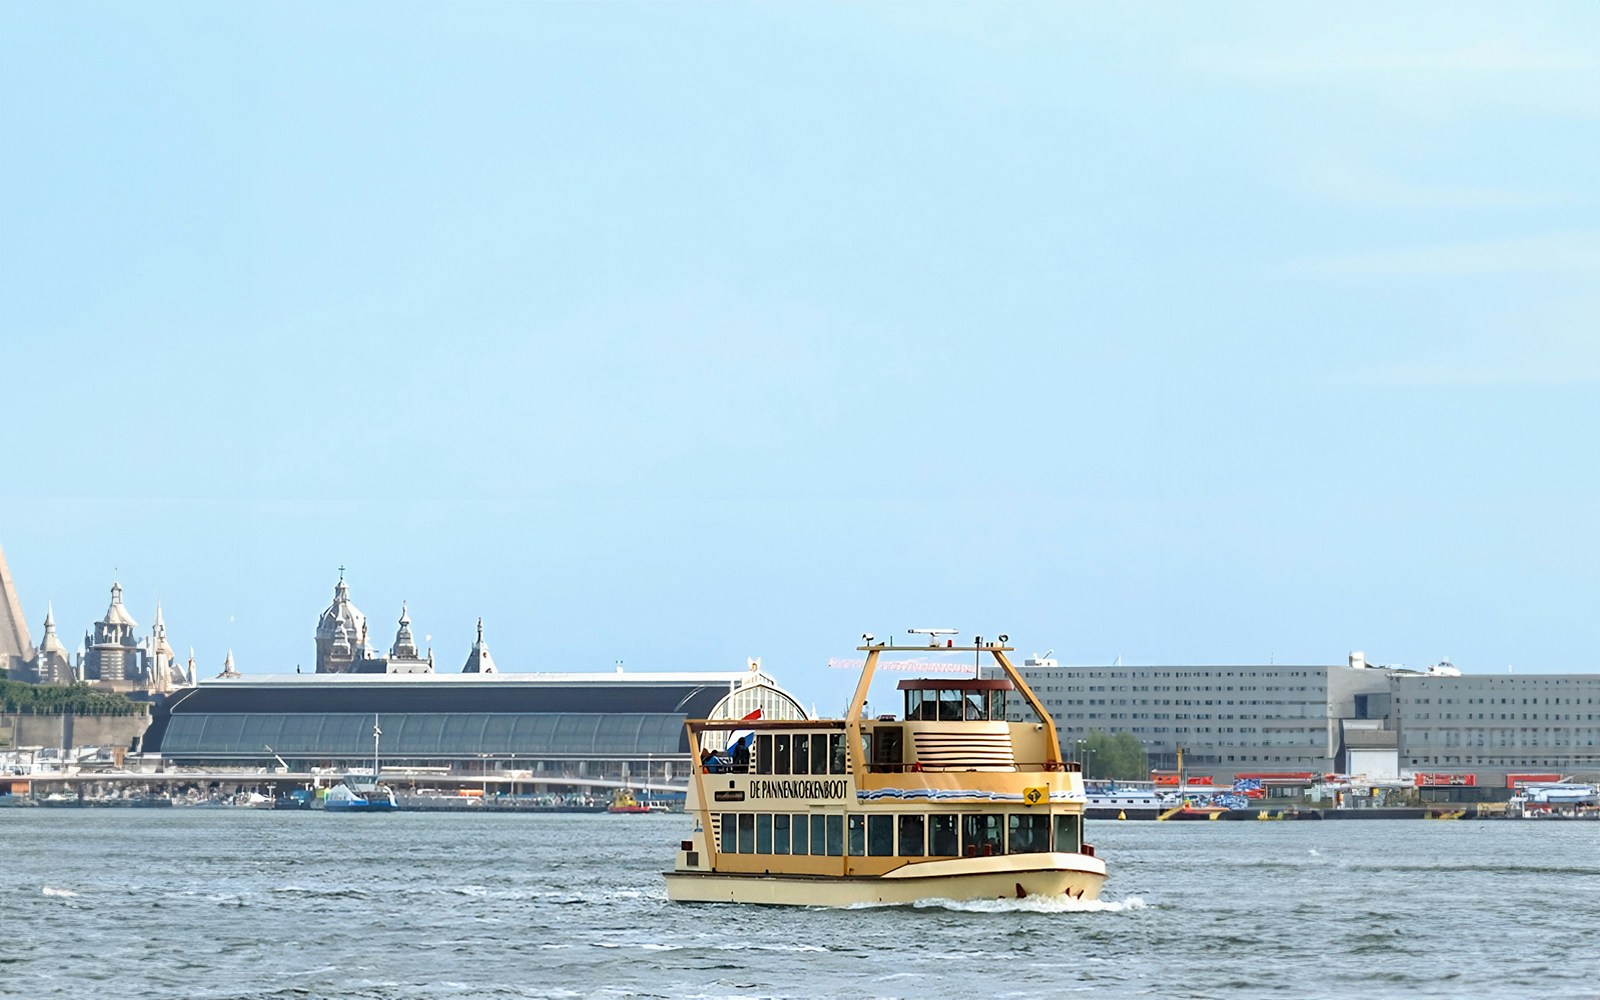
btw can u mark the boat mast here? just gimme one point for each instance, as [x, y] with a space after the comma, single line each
[376, 732]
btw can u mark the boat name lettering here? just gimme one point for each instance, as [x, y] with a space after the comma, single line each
[797, 789]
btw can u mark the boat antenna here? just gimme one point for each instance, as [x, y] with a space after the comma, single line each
[376, 732]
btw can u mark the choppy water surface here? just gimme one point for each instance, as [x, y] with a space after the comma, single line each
[213, 904]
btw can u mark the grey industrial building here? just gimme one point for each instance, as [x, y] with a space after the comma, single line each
[1498, 723]
[1227, 719]
[1349, 718]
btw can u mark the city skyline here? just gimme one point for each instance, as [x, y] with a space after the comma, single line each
[679, 334]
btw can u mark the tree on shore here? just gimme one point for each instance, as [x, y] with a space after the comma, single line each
[1110, 755]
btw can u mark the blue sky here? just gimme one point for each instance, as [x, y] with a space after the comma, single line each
[677, 333]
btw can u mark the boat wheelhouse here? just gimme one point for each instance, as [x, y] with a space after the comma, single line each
[947, 800]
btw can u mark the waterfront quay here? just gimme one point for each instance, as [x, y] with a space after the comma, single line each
[422, 791]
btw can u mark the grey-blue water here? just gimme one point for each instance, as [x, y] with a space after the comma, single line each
[247, 904]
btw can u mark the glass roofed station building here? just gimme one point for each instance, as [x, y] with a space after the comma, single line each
[545, 727]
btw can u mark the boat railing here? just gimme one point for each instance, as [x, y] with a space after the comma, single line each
[918, 767]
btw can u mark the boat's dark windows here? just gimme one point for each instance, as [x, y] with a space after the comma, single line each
[819, 833]
[764, 833]
[764, 753]
[997, 705]
[1069, 832]
[914, 704]
[975, 706]
[780, 833]
[888, 748]
[802, 753]
[912, 840]
[730, 833]
[836, 753]
[819, 753]
[780, 753]
[835, 836]
[858, 834]
[747, 833]
[1029, 833]
[943, 841]
[880, 836]
[950, 706]
[982, 834]
[802, 826]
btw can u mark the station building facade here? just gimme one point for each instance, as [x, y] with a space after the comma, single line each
[553, 726]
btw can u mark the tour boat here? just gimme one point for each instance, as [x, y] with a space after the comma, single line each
[947, 801]
[624, 802]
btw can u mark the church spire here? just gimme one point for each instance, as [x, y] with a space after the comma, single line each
[14, 637]
[405, 647]
[479, 661]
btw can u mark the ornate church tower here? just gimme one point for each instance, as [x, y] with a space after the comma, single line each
[404, 657]
[114, 654]
[341, 633]
[51, 664]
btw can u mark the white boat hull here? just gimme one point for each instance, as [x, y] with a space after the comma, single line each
[1011, 876]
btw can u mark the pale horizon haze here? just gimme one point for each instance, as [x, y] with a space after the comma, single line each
[671, 334]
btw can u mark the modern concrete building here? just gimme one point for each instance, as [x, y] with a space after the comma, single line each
[1497, 724]
[1227, 719]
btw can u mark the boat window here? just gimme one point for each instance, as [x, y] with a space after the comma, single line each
[926, 705]
[1069, 833]
[802, 753]
[982, 834]
[880, 836]
[802, 826]
[836, 836]
[1029, 833]
[942, 839]
[912, 839]
[950, 706]
[780, 834]
[975, 706]
[780, 753]
[819, 834]
[764, 753]
[888, 748]
[819, 753]
[747, 833]
[836, 752]
[730, 833]
[997, 704]
[858, 834]
[764, 833]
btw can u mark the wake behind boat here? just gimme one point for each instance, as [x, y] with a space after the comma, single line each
[949, 801]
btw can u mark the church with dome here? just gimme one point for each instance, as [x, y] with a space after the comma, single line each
[343, 647]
